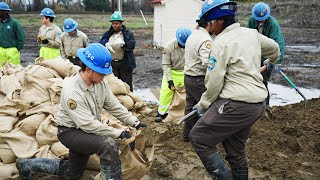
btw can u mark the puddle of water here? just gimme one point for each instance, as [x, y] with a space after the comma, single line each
[303, 48]
[279, 95]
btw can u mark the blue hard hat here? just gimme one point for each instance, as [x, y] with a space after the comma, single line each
[96, 57]
[69, 25]
[211, 4]
[47, 12]
[182, 35]
[261, 11]
[4, 6]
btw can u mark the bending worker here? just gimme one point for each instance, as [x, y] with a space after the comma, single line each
[80, 129]
[235, 95]
[172, 65]
[49, 35]
[120, 42]
[268, 26]
[12, 37]
[71, 40]
[197, 50]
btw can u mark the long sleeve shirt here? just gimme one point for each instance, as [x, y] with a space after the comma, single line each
[51, 33]
[70, 45]
[11, 34]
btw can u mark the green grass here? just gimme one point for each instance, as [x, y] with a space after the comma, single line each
[86, 20]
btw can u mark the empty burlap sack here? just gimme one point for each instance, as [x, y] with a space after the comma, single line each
[9, 84]
[126, 101]
[55, 90]
[177, 106]
[63, 67]
[41, 71]
[22, 145]
[8, 171]
[59, 150]
[46, 107]
[47, 131]
[6, 154]
[6, 123]
[45, 152]
[30, 124]
[116, 85]
[135, 164]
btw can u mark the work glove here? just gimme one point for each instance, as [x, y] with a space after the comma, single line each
[140, 125]
[109, 47]
[170, 85]
[268, 64]
[119, 41]
[127, 135]
[44, 41]
[200, 110]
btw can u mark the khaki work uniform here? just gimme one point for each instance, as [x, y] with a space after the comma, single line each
[80, 128]
[172, 65]
[70, 45]
[52, 49]
[235, 93]
[197, 51]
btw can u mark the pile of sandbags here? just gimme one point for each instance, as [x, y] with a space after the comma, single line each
[29, 99]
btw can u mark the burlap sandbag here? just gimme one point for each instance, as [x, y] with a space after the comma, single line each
[126, 101]
[22, 145]
[45, 152]
[55, 90]
[116, 85]
[9, 84]
[59, 150]
[63, 67]
[135, 97]
[94, 162]
[8, 171]
[30, 124]
[47, 131]
[6, 123]
[41, 71]
[6, 154]
[135, 164]
[177, 106]
[46, 107]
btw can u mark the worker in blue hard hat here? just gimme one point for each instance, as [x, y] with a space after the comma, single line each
[235, 95]
[172, 65]
[12, 36]
[49, 35]
[264, 23]
[83, 97]
[121, 42]
[71, 40]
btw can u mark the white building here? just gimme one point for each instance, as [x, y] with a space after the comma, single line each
[169, 15]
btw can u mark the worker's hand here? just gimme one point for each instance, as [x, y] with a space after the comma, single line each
[200, 110]
[127, 135]
[119, 41]
[140, 125]
[170, 85]
[268, 64]
[44, 41]
[109, 47]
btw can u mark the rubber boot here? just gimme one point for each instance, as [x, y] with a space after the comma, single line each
[27, 166]
[111, 172]
[240, 173]
[217, 168]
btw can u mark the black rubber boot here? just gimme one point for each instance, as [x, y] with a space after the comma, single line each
[113, 172]
[240, 173]
[217, 168]
[27, 166]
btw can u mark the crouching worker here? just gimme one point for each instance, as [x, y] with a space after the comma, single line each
[235, 95]
[79, 122]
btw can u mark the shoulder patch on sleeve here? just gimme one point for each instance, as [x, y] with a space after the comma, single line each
[208, 44]
[72, 104]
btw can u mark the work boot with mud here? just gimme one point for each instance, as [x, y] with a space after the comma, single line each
[160, 117]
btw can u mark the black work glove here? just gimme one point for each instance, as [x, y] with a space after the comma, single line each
[45, 41]
[141, 125]
[125, 134]
[171, 85]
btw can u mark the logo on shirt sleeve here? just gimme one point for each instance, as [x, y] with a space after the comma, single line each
[72, 104]
[211, 63]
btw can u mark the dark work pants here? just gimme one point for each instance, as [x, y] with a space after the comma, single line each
[194, 89]
[227, 122]
[124, 75]
[81, 145]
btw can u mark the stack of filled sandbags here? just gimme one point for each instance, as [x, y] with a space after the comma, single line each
[29, 99]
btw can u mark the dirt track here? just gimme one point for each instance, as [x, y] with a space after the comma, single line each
[287, 147]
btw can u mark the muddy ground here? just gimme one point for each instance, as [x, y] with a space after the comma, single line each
[286, 147]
